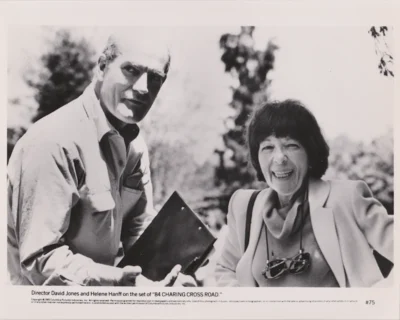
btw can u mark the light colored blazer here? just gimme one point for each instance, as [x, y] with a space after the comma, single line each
[347, 223]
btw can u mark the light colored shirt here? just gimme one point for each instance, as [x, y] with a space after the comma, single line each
[77, 197]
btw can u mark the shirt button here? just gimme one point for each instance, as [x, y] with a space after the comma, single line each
[120, 163]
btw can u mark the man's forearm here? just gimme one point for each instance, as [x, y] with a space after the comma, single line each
[62, 267]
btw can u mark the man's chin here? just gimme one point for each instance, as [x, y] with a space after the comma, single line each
[124, 114]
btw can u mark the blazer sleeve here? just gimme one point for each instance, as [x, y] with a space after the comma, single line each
[373, 220]
[225, 272]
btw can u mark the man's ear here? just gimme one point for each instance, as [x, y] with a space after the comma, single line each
[101, 67]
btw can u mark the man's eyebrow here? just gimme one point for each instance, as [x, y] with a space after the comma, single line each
[144, 68]
[157, 72]
[131, 64]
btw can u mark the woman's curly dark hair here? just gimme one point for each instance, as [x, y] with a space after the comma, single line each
[288, 118]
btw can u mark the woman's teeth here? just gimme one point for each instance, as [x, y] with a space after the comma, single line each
[283, 174]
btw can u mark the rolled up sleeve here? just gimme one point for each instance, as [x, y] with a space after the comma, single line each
[43, 185]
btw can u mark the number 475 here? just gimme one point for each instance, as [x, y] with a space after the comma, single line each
[370, 302]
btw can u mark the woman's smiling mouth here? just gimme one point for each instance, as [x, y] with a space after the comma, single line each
[282, 174]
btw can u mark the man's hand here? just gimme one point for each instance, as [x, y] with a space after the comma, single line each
[131, 276]
[184, 280]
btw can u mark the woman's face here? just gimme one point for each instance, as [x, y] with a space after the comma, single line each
[284, 164]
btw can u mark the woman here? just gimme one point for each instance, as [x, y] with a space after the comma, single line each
[305, 232]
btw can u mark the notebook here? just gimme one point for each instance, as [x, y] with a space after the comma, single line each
[175, 236]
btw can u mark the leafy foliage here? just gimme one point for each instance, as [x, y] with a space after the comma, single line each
[250, 67]
[61, 76]
[173, 168]
[176, 141]
[382, 50]
[373, 163]
[13, 135]
[66, 69]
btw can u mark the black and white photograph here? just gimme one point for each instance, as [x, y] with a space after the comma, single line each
[199, 159]
[85, 183]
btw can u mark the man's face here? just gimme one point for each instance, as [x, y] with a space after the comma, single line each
[132, 81]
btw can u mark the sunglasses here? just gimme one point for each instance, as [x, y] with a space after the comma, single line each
[278, 267]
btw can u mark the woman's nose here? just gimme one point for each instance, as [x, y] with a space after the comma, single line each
[279, 156]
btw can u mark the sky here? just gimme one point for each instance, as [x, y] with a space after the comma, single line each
[333, 70]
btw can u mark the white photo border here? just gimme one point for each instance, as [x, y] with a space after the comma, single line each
[245, 303]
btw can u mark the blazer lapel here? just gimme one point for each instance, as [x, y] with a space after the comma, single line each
[324, 228]
[244, 268]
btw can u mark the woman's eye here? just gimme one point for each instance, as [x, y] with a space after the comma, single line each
[292, 146]
[267, 148]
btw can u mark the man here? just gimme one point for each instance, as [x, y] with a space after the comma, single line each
[79, 188]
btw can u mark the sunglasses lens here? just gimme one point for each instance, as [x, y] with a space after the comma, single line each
[275, 269]
[300, 263]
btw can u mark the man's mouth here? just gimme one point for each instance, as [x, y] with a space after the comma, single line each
[134, 102]
[282, 174]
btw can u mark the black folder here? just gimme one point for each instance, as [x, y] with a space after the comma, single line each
[175, 236]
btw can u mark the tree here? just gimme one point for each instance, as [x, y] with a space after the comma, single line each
[66, 69]
[62, 75]
[174, 137]
[13, 134]
[382, 50]
[372, 163]
[250, 67]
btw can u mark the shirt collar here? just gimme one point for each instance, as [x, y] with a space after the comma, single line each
[95, 112]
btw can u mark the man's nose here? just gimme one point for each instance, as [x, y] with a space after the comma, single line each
[141, 84]
[279, 156]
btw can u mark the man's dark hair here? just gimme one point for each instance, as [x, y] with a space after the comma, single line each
[288, 118]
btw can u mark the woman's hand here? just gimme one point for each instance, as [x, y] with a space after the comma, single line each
[132, 276]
